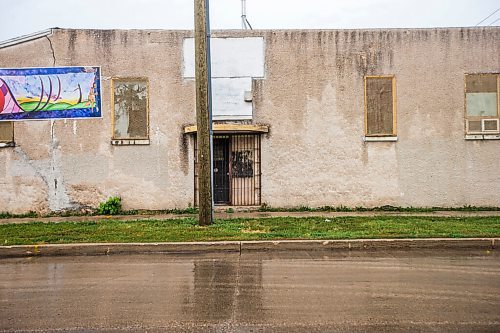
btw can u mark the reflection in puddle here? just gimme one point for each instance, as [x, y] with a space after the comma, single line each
[224, 289]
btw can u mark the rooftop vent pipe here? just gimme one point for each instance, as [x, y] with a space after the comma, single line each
[245, 25]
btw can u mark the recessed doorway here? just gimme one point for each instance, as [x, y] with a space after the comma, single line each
[237, 170]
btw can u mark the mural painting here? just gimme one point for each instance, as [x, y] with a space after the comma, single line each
[50, 93]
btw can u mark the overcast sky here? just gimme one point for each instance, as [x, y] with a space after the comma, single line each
[22, 17]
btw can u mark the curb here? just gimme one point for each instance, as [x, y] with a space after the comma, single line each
[115, 248]
[373, 244]
[18, 251]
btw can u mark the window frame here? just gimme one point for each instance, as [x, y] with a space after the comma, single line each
[128, 79]
[8, 143]
[481, 118]
[394, 106]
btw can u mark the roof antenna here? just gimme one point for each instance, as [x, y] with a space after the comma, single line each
[245, 25]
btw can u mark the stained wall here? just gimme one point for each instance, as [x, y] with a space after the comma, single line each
[311, 97]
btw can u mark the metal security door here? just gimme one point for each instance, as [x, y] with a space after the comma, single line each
[221, 171]
[237, 170]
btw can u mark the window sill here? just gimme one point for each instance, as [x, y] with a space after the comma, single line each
[130, 142]
[380, 138]
[482, 137]
[7, 144]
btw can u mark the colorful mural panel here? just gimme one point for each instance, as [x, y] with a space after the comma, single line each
[50, 93]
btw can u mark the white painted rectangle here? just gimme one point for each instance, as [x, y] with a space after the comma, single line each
[228, 98]
[231, 57]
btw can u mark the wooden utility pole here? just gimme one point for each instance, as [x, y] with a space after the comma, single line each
[203, 110]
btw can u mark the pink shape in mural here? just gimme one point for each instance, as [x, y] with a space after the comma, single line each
[7, 103]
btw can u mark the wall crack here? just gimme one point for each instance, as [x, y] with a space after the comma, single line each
[53, 52]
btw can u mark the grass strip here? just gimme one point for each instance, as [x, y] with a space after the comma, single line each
[275, 228]
[263, 208]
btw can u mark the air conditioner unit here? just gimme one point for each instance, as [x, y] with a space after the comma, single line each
[490, 125]
[483, 126]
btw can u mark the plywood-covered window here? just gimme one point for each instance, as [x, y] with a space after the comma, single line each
[481, 103]
[380, 106]
[130, 108]
[6, 133]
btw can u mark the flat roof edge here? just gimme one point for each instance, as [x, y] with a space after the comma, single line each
[48, 32]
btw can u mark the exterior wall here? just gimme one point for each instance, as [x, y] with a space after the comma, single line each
[77, 154]
[311, 96]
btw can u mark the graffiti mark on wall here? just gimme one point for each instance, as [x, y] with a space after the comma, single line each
[50, 93]
[242, 164]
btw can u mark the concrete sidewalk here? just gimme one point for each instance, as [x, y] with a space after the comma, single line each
[486, 244]
[251, 214]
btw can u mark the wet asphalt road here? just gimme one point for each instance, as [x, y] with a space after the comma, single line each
[290, 292]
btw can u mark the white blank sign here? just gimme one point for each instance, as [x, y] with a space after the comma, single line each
[231, 57]
[228, 98]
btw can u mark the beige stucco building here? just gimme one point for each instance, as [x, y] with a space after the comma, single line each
[400, 117]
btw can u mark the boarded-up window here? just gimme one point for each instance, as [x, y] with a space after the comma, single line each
[6, 132]
[481, 103]
[380, 106]
[130, 109]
